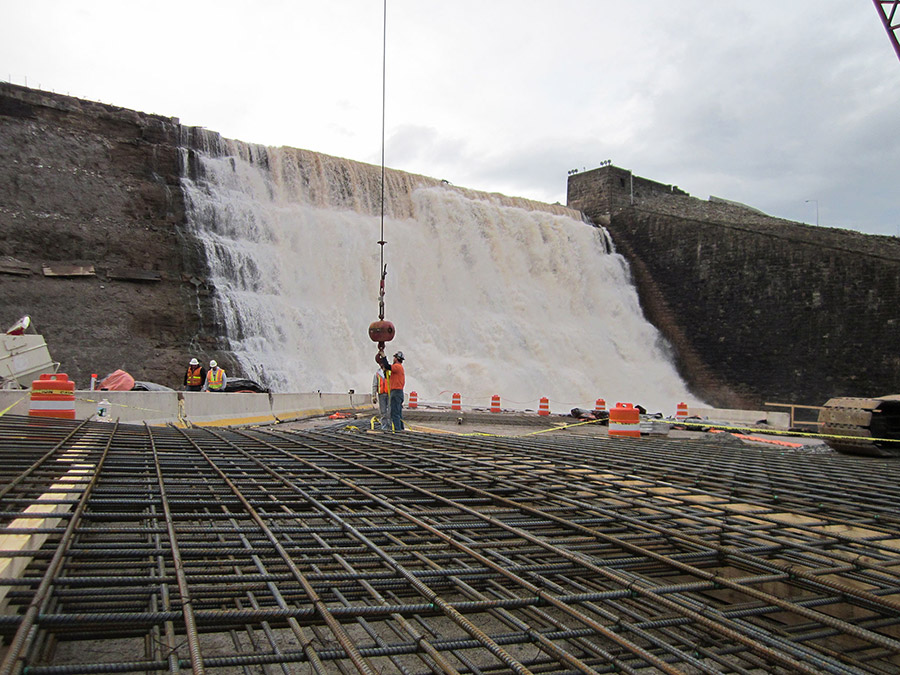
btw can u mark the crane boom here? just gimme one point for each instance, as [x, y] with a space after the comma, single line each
[890, 17]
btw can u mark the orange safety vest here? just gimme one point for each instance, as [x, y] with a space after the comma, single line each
[214, 378]
[194, 379]
[398, 377]
[384, 383]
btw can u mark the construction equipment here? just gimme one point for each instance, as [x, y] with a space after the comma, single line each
[863, 426]
[887, 10]
[23, 356]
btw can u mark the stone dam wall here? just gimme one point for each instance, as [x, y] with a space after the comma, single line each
[94, 247]
[758, 308]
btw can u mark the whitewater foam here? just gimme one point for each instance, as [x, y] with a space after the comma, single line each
[489, 294]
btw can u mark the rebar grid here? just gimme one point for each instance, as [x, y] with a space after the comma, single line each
[339, 551]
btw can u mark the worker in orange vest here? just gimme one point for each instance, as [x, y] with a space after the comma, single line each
[398, 381]
[215, 378]
[381, 391]
[194, 376]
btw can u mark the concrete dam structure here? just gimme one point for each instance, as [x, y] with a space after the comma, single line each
[181, 243]
[758, 308]
[97, 210]
[323, 546]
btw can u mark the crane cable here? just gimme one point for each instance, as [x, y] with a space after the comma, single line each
[382, 242]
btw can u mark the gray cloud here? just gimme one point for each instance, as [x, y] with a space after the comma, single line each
[770, 103]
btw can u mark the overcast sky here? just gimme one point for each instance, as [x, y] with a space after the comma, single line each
[785, 105]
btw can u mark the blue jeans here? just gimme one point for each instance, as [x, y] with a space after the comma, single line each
[384, 408]
[397, 409]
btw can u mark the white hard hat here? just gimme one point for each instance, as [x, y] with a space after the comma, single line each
[399, 356]
[195, 362]
[213, 364]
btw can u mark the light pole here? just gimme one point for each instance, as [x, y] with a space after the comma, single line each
[817, 209]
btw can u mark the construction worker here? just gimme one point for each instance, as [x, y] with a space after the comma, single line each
[381, 390]
[215, 378]
[398, 381]
[194, 376]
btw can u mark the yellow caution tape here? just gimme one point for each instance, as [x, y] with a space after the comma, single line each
[778, 432]
[122, 405]
[10, 407]
[703, 425]
[418, 427]
[562, 426]
[706, 425]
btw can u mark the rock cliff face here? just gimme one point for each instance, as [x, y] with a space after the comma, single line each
[758, 308]
[95, 187]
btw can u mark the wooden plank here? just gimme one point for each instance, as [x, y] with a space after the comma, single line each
[69, 271]
[13, 266]
[134, 275]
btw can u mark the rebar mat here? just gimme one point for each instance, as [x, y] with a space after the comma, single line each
[157, 549]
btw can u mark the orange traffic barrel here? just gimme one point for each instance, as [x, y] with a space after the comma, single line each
[681, 412]
[600, 406]
[625, 421]
[544, 407]
[457, 403]
[413, 400]
[53, 395]
[495, 403]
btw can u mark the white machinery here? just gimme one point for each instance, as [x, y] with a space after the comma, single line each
[23, 356]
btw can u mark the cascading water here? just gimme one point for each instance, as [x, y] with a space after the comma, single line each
[489, 294]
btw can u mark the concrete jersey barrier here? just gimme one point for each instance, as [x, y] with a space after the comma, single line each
[130, 407]
[197, 408]
[226, 409]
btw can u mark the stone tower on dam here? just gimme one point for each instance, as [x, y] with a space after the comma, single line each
[757, 308]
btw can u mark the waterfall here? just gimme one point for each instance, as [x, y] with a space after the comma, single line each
[489, 294]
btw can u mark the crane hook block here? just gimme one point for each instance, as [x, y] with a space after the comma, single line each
[381, 331]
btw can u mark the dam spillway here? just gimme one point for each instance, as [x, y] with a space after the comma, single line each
[94, 185]
[489, 294]
[143, 549]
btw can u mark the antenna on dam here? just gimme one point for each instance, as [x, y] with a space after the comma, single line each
[382, 331]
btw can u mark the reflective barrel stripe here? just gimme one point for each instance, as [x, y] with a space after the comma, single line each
[625, 421]
[52, 395]
[53, 405]
[544, 407]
